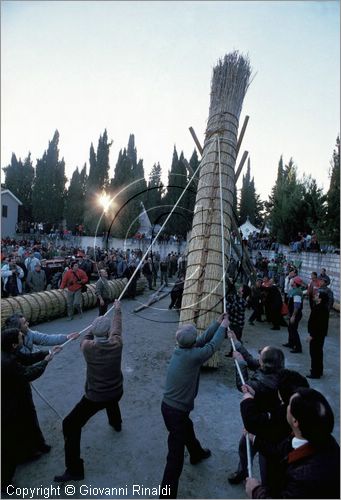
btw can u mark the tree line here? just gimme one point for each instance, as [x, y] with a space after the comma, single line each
[294, 204]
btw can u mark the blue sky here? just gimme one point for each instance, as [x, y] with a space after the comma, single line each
[145, 68]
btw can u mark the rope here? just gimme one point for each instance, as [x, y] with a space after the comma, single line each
[248, 448]
[222, 227]
[47, 402]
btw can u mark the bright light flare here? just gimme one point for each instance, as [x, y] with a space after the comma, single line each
[104, 201]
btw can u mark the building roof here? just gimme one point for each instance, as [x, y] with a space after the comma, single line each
[145, 225]
[7, 191]
[248, 228]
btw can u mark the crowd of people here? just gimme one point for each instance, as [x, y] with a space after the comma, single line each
[288, 424]
[30, 266]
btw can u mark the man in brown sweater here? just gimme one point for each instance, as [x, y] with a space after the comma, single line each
[102, 350]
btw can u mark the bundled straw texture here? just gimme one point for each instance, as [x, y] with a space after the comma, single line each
[43, 306]
[203, 293]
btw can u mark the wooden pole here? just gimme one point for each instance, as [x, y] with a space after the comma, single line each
[196, 140]
[241, 135]
[240, 166]
[152, 300]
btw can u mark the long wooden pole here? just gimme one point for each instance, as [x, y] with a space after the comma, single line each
[241, 135]
[196, 140]
[241, 165]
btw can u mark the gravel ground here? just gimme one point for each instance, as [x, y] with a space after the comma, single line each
[126, 464]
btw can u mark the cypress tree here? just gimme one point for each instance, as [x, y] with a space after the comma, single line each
[333, 198]
[48, 194]
[153, 202]
[250, 204]
[97, 184]
[131, 185]
[19, 180]
[177, 181]
[286, 204]
[192, 190]
[75, 199]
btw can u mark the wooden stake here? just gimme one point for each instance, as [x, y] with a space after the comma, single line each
[241, 135]
[240, 166]
[196, 140]
[152, 300]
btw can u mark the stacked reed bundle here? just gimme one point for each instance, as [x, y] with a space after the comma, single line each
[203, 293]
[42, 306]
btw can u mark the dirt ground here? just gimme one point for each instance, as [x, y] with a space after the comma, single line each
[134, 459]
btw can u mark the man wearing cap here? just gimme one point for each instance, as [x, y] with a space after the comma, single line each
[36, 280]
[102, 350]
[295, 306]
[182, 384]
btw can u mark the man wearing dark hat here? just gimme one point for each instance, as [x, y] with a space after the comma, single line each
[102, 350]
[178, 401]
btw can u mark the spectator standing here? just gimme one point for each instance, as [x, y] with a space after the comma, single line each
[155, 269]
[295, 306]
[273, 305]
[31, 261]
[73, 280]
[256, 302]
[287, 283]
[147, 271]
[129, 273]
[122, 265]
[313, 287]
[86, 266]
[325, 289]
[236, 304]
[36, 280]
[12, 274]
[318, 329]
[112, 267]
[272, 269]
[323, 275]
[103, 292]
[176, 293]
[164, 270]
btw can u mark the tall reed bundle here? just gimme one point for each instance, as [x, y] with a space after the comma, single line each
[203, 292]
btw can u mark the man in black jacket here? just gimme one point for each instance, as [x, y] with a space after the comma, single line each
[22, 438]
[311, 459]
[176, 293]
[318, 329]
[264, 383]
[271, 426]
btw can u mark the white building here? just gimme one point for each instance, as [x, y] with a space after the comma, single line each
[9, 213]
